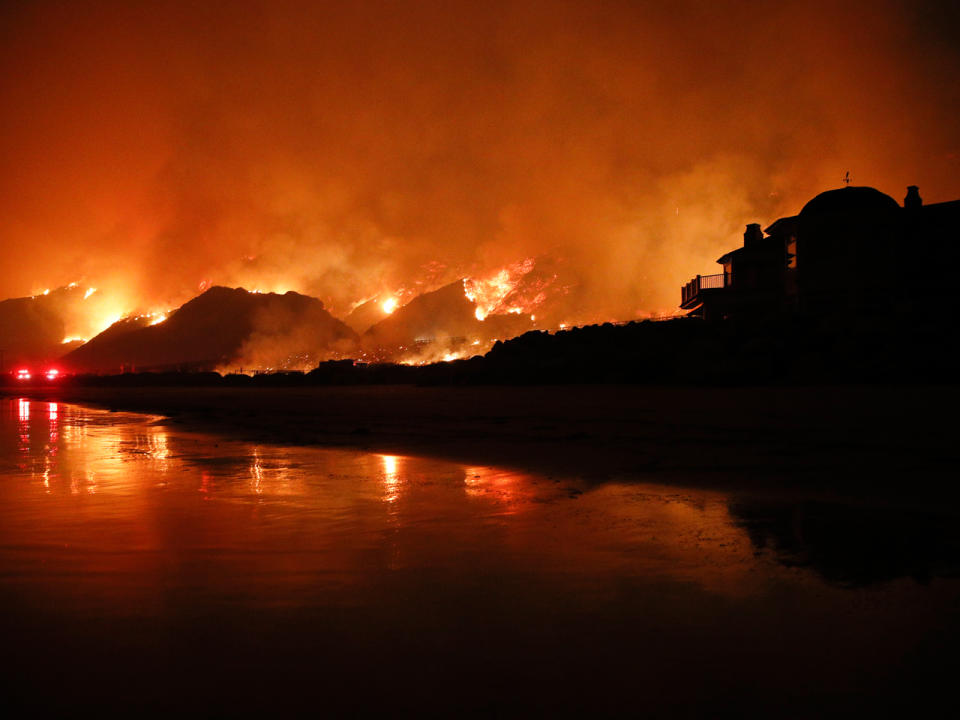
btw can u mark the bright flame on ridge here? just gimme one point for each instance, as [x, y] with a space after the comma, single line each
[490, 294]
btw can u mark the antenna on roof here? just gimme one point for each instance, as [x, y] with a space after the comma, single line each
[846, 178]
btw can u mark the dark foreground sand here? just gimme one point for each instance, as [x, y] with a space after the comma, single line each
[606, 602]
[884, 441]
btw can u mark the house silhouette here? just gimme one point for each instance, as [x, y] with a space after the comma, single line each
[852, 251]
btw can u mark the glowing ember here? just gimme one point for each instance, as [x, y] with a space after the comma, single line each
[389, 305]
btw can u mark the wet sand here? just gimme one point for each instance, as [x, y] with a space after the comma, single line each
[896, 442]
[147, 568]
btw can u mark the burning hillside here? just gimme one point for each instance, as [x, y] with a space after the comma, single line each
[48, 324]
[222, 328]
[227, 329]
[232, 329]
[30, 328]
[441, 325]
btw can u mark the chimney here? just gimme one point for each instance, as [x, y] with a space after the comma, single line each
[913, 199]
[752, 236]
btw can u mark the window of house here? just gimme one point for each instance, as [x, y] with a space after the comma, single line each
[792, 252]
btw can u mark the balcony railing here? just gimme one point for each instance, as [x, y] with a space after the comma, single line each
[702, 282]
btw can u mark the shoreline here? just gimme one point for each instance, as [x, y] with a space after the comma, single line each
[865, 442]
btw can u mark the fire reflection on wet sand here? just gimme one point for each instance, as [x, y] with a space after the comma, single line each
[229, 551]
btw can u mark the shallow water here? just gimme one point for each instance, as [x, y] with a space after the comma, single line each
[145, 567]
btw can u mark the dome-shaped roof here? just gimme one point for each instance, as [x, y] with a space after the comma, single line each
[850, 200]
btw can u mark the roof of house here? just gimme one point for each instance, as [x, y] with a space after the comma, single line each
[850, 200]
[784, 224]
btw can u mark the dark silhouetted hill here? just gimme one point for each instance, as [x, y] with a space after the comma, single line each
[220, 327]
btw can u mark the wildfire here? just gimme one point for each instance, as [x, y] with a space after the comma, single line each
[153, 318]
[501, 293]
[106, 321]
[389, 305]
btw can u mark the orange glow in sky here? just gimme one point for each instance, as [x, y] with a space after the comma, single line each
[335, 149]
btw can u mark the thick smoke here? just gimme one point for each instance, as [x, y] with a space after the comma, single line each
[353, 150]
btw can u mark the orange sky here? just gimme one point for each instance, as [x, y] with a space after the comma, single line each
[147, 147]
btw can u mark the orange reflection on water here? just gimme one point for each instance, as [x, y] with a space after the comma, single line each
[23, 427]
[54, 409]
[256, 473]
[507, 487]
[391, 477]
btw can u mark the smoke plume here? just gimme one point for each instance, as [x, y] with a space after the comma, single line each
[360, 150]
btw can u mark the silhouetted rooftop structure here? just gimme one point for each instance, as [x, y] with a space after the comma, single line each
[850, 200]
[852, 251]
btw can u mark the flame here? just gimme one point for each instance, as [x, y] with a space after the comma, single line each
[89, 292]
[107, 320]
[70, 339]
[389, 305]
[157, 320]
[501, 293]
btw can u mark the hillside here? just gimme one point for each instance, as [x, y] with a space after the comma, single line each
[437, 322]
[221, 327]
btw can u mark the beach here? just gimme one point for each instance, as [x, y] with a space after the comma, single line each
[871, 441]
